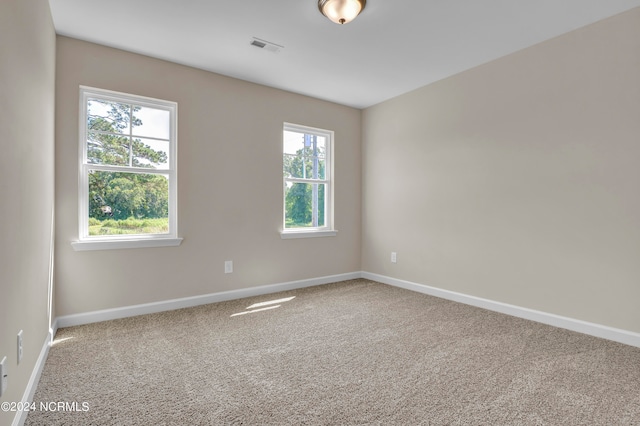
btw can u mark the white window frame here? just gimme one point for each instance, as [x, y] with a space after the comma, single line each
[87, 242]
[328, 229]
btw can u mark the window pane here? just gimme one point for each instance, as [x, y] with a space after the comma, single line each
[151, 122]
[293, 166]
[106, 116]
[304, 205]
[107, 149]
[321, 144]
[150, 153]
[314, 167]
[128, 203]
[293, 142]
[301, 143]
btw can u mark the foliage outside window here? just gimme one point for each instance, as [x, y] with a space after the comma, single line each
[127, 167]
[307, 179]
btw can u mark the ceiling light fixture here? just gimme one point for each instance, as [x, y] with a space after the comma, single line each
[341, 11]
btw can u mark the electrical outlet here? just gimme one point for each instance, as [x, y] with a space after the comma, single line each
[19, 346]
[228, 266]
[3, 375]
[394, 257]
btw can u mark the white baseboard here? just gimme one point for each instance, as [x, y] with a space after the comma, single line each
[21, 416]
[187, 302]
[597, 330]
[54, 329]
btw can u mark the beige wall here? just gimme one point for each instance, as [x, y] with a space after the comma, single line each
[27, 82]
[517, 181]
[230, 185]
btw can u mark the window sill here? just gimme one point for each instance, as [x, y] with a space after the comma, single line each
[286, 235]
[125, 244]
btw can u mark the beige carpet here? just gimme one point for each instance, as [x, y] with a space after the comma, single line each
[355, 352]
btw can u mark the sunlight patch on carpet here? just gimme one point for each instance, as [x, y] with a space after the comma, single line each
[270, 302]
[255, 310]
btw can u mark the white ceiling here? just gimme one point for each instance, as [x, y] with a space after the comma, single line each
[393, 47]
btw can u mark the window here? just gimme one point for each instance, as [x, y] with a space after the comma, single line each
[128, 178]
[308, 185]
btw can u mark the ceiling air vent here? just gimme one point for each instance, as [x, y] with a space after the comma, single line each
[266, 45]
